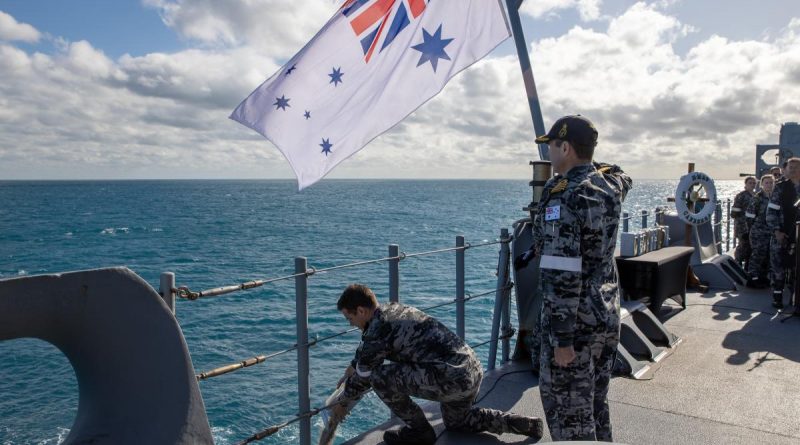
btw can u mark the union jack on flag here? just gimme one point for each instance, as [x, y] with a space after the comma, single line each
[378, 22]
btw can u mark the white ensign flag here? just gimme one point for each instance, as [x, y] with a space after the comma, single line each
[370, 66]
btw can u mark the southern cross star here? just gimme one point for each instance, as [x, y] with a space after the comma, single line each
[326, 146]
[432, 48]
[281, 102]
[336, 76]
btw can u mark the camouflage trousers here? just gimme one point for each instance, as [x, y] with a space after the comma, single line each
[778, 253]
[758, 266]
[574, 397]
[455, 387]
[743, 249]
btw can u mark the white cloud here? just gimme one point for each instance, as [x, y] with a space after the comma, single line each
[165, 115]
[588, 10]
[11, 30]
[276, 26]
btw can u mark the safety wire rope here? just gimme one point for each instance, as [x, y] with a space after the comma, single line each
[187, 294]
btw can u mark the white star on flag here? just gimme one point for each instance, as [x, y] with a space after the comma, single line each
[371, 65]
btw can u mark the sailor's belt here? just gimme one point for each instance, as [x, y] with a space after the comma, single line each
[774, 206]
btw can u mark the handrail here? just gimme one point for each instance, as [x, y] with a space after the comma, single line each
[186, 293]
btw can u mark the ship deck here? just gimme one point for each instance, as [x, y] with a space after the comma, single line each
[734, 379]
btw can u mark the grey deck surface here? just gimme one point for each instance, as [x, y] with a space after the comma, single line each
[734, 379]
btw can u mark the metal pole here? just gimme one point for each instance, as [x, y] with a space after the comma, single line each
[394, 273]
[728, 227]
[303, 383]
[460, 312]
[506, 315]
[718, 227]
[167, 290]
[625, 218]
[527, 74]
[644, 219]
[502, 279]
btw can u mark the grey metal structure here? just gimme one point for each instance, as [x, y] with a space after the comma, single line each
[136, 382]
[788, 146]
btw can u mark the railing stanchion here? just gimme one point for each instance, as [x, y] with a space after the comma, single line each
[728, 227]
[303, 383]
[625, 218]
[167, 290]
[394, 273]
[460, 311]
[644, 219]
[718, 226]
[502, 283]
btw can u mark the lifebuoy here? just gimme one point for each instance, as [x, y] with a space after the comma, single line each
[686, 196]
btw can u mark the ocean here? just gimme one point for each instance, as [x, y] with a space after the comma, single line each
[214, 233]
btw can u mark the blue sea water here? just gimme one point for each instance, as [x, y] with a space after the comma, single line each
[213, 233]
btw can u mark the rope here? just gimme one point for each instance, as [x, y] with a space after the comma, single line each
[185, 292]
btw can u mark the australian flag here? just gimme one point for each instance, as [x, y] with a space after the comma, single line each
[371, 65]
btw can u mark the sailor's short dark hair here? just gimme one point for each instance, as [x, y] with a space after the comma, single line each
[355, 296]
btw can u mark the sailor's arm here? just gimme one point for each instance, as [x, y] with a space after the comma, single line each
[775, 214]
[370, 354]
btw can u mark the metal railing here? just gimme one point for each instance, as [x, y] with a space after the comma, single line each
[717, 223]
[501, 323]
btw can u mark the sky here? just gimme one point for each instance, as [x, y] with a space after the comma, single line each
[142, 89]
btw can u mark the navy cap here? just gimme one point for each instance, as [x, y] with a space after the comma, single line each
[575, 129]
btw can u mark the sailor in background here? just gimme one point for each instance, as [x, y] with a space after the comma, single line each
[781, 218]
[740, 204]
[760, 234]
[425, 360]
[575, 233]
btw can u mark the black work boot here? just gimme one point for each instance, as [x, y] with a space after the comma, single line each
[424, 435]
[777, 299]
[527, 426]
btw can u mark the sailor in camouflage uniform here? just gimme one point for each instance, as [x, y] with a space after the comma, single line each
[740, 204]
[575, 234]
[425, 360]
[760, 234]
[781, 218]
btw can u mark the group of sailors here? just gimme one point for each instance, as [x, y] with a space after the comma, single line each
[764, 225]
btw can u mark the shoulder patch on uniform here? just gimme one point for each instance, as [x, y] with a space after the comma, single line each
[559, 187]
[605, 169]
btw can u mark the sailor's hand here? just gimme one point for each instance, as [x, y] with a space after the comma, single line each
[522, 260]
[347, 373]
[780, 236]
[564, 355]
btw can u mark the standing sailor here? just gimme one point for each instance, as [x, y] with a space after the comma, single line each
[781, 218]
[740, 204]
[575, 233]
[760, 234]
[425, 360]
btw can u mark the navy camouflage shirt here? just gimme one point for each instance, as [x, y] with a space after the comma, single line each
[575, 233]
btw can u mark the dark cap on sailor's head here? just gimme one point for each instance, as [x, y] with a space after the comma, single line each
[575, 129]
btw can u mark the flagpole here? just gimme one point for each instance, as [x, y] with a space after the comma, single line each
[527, 74]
